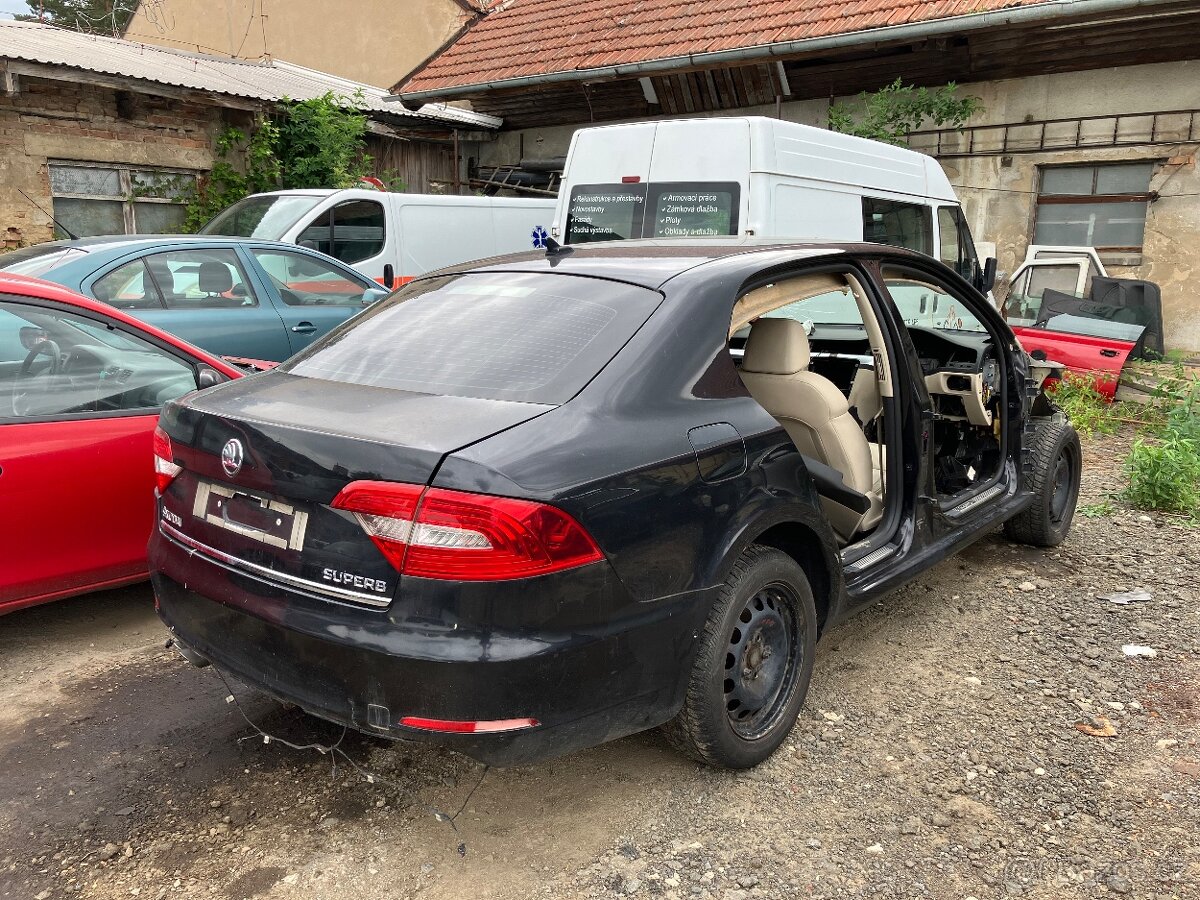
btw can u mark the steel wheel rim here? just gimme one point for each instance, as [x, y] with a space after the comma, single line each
[1062, 478]
[762, 661]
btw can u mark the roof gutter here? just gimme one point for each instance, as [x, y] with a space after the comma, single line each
[1055, 9]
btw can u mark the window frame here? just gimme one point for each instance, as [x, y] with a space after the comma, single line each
[195, 365]
[128, 197]
[1043, 199]
[927, 214]
[250, 281]
[348, 272]
[328, 216]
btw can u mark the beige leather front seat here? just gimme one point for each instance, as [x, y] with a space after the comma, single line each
[815, 414]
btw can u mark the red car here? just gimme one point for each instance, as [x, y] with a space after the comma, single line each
[81, 385]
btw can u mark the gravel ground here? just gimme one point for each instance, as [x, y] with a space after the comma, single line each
[979, 733]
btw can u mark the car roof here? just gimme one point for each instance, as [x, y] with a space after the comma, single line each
[652, 263]
[27, 286]
[138, 241]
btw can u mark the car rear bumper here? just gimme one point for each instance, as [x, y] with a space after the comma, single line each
[604, 669]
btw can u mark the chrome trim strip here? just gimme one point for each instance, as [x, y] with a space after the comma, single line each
[877, 555]
[971, 502]
[233, 562]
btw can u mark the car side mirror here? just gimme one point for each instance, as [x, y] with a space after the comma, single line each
[370, 295]
[389, 276]
[208, 377]
[988, 281]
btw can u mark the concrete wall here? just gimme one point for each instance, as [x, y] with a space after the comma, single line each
[58, 120]
[375, 42]
[999, 191]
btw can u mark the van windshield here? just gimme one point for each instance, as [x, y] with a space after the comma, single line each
[267, 216]
[615, 212]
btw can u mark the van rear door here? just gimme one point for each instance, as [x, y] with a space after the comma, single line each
[646, 180]
[605, 198]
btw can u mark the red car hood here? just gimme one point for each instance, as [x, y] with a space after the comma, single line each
[1100, 358]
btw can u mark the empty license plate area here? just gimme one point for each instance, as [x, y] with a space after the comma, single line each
[271, 522]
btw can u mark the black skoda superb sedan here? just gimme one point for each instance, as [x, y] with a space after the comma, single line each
[544, 501]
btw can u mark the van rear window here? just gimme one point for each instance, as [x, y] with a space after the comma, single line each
[529, 337]
[612, 212]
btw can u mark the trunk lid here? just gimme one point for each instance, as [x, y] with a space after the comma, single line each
[263, 457]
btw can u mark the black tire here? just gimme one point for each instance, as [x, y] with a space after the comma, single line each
[1057, 461]
[753, 665]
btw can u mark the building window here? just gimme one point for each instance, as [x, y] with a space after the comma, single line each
[101, 199]
[1094, 206]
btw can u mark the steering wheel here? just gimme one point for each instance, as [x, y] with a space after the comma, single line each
[21, 401]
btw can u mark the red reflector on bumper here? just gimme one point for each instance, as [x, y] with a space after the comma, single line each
[453, 727]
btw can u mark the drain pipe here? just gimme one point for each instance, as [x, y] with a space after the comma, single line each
[1038, 12]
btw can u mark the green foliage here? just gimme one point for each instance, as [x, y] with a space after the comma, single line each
[1086, 407]
[314, 143]
[892, 112]
[93, 16]
[1164, 471]
[321, 143]
[245, 165]
[1096, 510]
[393, 180]
[1164, 475]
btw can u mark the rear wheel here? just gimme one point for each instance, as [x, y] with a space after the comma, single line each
[1057, 467]
[753, 666]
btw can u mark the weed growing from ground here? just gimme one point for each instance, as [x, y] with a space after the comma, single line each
[1086, 407]
[1163, 467]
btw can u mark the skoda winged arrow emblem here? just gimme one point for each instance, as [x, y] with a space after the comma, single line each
[231, 457]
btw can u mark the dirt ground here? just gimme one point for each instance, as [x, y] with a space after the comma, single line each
[953, 745]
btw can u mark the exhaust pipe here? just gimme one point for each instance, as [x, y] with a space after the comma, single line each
[188, 653]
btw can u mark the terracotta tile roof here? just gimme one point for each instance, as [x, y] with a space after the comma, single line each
[533, 37]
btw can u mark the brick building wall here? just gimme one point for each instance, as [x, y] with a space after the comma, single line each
[60, 121]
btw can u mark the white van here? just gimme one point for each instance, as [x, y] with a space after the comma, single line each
[759, 176]
[389, 237]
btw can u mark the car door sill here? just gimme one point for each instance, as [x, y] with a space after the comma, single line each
[879, 554]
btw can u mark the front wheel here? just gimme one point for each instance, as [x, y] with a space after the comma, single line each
[1057, 467]
[753, 665]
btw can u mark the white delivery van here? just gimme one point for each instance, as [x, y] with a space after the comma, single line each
[759, 176]
[390, 237]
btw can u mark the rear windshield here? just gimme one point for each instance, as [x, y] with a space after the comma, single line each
[265, 217]
[530, 337]
[612, 212]
[34, 261]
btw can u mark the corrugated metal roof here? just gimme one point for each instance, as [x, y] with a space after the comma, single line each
[524, 38]
[269, 80]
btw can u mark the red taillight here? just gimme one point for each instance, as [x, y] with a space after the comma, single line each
[165, 467]
[457, 727]
[436, 533]
[630, 179]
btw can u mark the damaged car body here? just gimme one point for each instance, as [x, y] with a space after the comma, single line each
[543, 502]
